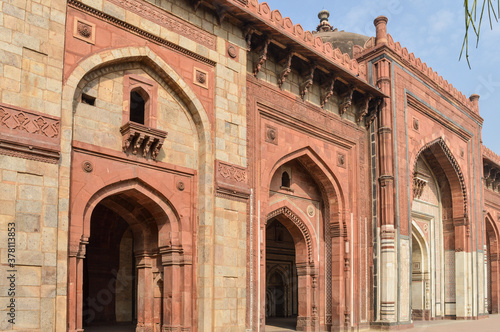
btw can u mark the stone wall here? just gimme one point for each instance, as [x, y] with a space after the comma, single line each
[31, 65]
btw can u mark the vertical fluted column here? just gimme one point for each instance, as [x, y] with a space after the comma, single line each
[386, 182]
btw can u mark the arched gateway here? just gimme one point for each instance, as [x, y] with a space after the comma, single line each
[304, 223]
[131, 266]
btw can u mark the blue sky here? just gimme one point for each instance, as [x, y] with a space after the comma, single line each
[433, 30]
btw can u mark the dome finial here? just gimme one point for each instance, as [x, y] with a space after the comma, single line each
[324, 25]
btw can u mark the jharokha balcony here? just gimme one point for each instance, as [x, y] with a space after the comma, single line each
[138, 138]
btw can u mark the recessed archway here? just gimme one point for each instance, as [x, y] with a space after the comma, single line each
[281, 270]
[292, 277]
[162, 274]
[492, 293]
[439, 201]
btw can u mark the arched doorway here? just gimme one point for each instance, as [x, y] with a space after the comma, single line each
[121, 259]
[440, 222]
[281, 281]
[130, 239]
[298, 288]
[420, 284]
[305, 197]
[109, 278]
[492, 293]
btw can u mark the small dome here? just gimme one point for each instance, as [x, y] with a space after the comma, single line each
[339, 39]
[343, 40]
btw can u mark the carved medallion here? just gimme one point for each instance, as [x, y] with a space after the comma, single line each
[416, 125]
[180, 186]
[311, 211]
[231, 50]
[271, 135]
[200, 78]
[87, 166]
[84, 30]
[341, 160]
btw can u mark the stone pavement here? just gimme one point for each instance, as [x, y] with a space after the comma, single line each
[490, 324]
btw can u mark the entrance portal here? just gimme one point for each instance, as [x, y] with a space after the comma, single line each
[109, 289]
[281, 276]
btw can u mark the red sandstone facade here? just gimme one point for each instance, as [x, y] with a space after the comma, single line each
[210, 166]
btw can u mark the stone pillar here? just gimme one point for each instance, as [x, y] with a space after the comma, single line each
[495, 283]
[463, 274]
[347, 287]
[338, 281]
[388, 275]
[145, 296]
[187, 293]
[173, 281]
[305, 297]
[75, 287]
[388, 284]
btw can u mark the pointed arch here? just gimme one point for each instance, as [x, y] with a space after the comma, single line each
[493, 267]
[144, 55]
[327, 182]
[172, 249]
[300, 225]
[451, 168]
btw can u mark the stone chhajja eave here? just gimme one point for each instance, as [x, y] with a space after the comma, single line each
[420, 68]
[305, 45]
[490, 156]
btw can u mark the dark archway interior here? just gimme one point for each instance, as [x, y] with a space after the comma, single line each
[109, 274]
[281, 275]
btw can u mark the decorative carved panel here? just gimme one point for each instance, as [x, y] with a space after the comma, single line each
[200, 77]
[84, 30]
[231, 181]
[29, 134]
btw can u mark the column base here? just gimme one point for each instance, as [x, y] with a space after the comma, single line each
[144, 328]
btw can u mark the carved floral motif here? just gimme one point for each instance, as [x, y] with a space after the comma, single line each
[29, 134]
[232, 173]
[31, 123]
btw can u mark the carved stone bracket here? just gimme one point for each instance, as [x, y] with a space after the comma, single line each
[139, 138]
[328, 90]
[308, 80]
[286, 69]
[196, 4]
[372, 115]
[262, 56]
[491, 176]
[248, 32]
[364, 108]
[419, 182]
[346, 100]
[221, 12]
